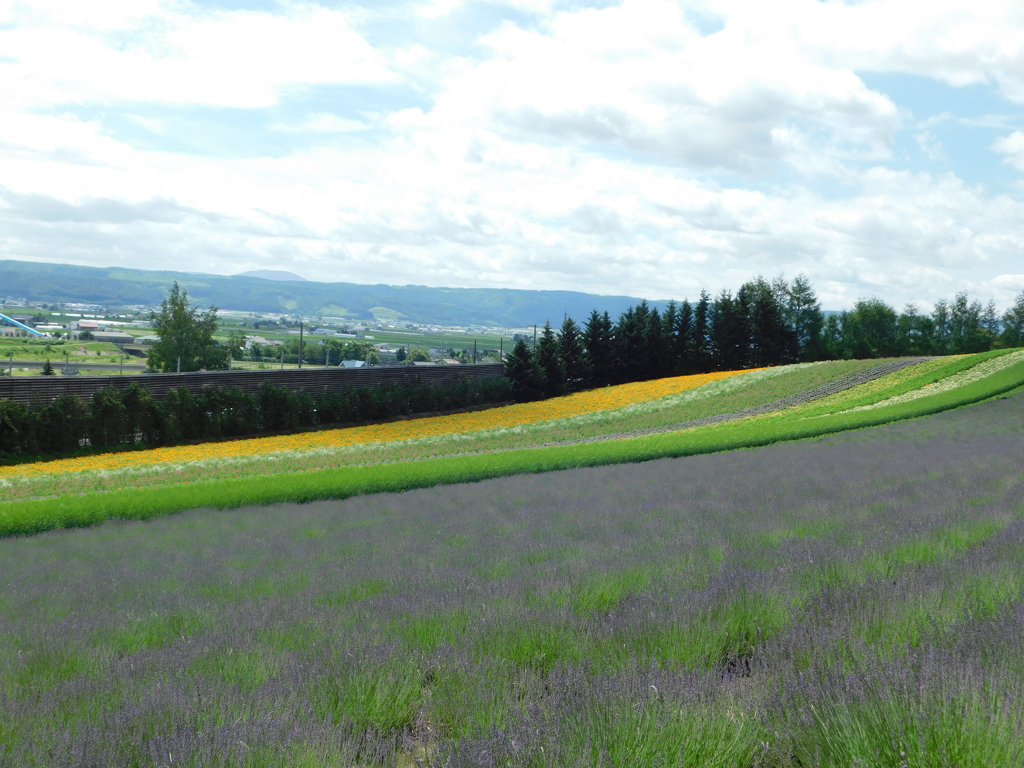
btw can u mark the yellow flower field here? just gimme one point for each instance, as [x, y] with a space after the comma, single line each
[609, 398]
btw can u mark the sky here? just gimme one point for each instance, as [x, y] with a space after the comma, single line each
[645, 147]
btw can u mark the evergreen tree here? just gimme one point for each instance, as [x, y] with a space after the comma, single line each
[186, 334]
[730, 330]
[681, 339]
[771, 341]
[668, 334]
[598, 351]
[703, 350]
[48, 369]
[549, 362]
[521, 369]
[572, 354]
[655, 341]
[628, 344]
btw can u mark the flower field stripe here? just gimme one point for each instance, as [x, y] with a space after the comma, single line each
[801, 398]
[894, 385]
[27, 517]
[608, 398]
[982, 369]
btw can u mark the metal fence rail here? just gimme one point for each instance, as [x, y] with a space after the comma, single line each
[45, 389]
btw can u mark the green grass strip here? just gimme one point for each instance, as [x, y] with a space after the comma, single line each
[35, 516]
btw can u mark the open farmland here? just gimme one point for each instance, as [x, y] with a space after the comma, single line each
[635, 422]
[854, 600]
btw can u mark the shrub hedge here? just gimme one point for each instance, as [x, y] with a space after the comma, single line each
[135, 418]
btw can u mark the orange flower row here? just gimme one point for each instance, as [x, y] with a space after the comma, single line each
[609, 398]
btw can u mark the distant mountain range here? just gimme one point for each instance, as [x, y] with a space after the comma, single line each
[272, 292]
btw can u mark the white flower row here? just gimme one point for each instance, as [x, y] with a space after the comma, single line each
[971, 375]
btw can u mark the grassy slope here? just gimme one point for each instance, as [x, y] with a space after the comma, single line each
[34, 516]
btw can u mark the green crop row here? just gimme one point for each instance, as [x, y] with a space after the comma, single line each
[33, 516]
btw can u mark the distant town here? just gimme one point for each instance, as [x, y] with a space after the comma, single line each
[85, 337]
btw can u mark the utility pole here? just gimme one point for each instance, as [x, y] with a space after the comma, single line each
[535, 337]
[66, 363]
[179, 363]
[120, 361]
[474, 350]
[300, 344]
[282, 357]
[327, 356]
[10, 363]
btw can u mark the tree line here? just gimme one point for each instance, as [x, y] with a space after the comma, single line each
[763, 324]
[133, 417]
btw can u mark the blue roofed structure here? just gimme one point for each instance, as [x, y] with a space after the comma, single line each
[5, 320]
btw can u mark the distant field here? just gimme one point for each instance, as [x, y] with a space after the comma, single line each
[57, 367]
[54, 350]
[854, 600]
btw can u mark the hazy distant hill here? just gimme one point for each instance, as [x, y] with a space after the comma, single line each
[273, 274]
[117, 286]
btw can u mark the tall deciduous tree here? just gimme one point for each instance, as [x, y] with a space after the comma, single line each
[870, 329]
[186, 334]
[1013, 324]
[417, 355]
[916, 332]
[805, 319]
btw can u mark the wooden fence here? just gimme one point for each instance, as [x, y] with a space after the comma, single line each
[45, 389]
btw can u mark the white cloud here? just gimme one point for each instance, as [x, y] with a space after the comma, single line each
[179, 54]
[322, 123]
[621, 149]
[1012, 146]
[640, 76]
[436, 8]
[930, 145]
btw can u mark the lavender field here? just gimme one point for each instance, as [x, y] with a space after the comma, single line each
[849, 601]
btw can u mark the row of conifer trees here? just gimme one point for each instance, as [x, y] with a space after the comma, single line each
[763, 324]
[134, 417]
